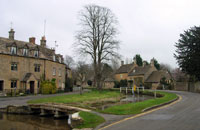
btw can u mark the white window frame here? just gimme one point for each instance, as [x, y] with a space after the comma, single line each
[60, 72]
[54, 71]
[13, 50]
[25, 52]
[36, 53]
[54, 58]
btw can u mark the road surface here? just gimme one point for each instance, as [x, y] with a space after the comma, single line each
[184, 115]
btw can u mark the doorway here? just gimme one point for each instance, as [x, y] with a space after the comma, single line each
[32, 85]
[1, 85]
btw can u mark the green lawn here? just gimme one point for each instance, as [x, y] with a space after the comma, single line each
[90, 120]
[135, 108]
[93, 95]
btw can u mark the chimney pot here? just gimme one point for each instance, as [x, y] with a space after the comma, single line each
[11, 34]
[122, 63]
[32, 40]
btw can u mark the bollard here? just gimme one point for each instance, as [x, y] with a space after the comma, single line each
[69, 119]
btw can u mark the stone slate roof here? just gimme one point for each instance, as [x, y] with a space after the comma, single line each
[44, 53]
[27, 76]
[140, 70]
[156, 76]
[124, 69]
[109, 80]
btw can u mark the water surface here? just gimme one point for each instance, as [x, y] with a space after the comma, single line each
[31, 122]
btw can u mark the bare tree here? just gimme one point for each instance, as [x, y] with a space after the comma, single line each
[164, 66]
[69, 61]
[81, 72]
[97, 37]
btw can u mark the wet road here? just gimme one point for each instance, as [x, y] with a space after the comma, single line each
[184, 115]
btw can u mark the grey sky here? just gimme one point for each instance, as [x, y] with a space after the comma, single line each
[147, 27]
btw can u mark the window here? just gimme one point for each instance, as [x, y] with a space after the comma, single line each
[37, 68]
[13, 84]
[121, 76]
[14, 66]
[54, 71]
[36, 53]
[54, 58]
[60, 59]
[60, 84]
[60, 72]
[13, 50]
[25, 52]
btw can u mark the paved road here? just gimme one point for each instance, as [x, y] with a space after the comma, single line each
[5, 101]
[184, 115]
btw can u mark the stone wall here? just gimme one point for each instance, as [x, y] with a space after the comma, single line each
[181, 86]
[27, 65]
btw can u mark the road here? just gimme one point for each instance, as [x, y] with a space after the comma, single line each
[184, 115]
[5, 101]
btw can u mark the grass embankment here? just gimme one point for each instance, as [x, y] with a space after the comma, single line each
[93, 95]
[135, 108]
[90, 120]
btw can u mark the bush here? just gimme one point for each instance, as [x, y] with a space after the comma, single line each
[89, 82]
[123, 83]
[117, 84]
[48, 87]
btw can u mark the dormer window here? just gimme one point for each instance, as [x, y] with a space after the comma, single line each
[36, 53]
[13, 50]
[133, 71]
[60, 59]
[54, 58]
[25, 52]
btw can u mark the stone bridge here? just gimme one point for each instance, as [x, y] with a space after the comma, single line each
[58, 110]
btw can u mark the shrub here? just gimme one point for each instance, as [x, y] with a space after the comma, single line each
[123, 83]
[48, 87]
[89, 82]
[117, 84]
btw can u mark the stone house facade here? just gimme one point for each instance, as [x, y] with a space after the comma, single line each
[141, 75]
[23, 64]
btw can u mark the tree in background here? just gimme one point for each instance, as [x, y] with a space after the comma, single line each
[188, 52]
[165, 67]
[156, 64]
[107, 71]
[139, 60]
[69, 61]
[97, 37]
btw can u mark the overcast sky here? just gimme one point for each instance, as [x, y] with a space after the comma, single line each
[147, 27]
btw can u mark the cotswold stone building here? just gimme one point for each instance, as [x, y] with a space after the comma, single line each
[23, 64]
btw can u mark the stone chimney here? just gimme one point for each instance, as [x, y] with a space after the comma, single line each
[135, 61]
[11, 34]
[43, 41]
[32, 40]
[152, 62]
[144, 63]
[122, 62]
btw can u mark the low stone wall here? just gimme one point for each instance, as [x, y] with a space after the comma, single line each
[181, 86]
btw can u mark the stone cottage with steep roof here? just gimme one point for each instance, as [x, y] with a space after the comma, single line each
[140, 75]
[23, 64]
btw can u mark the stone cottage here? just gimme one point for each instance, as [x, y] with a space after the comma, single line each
[23, 64]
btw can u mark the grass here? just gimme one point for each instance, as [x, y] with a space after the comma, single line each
[93, 95]
[135, 108]
[90, 120]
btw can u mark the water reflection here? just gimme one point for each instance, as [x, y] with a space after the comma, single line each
[31, 122]
[136, 98]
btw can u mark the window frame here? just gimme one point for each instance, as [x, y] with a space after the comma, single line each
[14, 66]
[13, 84]
[37, 67]
[13, 50]
[25, 52]
[54, 71]
[36, 53]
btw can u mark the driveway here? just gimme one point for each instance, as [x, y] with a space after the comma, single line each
[5, 101]
[184, 115]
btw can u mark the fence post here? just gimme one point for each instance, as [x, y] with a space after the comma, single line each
[126, 90]
[120, 89]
